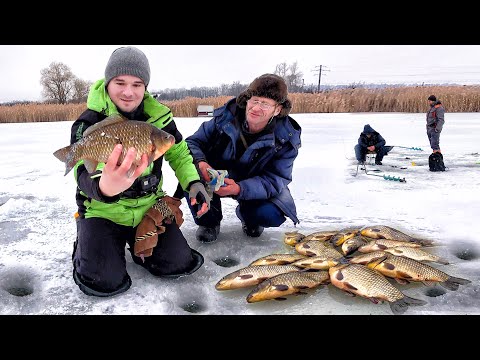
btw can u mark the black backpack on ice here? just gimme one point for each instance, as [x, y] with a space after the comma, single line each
[435, 162]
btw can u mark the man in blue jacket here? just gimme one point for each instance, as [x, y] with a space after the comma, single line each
[254, 139]
[371, 141]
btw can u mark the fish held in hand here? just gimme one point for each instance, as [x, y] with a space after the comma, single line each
[99, 140]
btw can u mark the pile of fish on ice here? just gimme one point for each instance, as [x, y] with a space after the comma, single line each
[325, 257]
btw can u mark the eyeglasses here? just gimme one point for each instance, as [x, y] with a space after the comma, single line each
[263, 106]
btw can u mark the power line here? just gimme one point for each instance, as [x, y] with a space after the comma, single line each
[319, 69]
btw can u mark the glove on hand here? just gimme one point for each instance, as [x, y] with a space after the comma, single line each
[198, 192]
[165, 210]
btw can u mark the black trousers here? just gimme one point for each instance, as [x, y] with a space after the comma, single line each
[99, 256]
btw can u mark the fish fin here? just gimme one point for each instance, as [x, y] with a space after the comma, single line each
[400, 306]
[442, 261]
[301, 287]
[403, 275]
[452, 283]
[280, 298]
[376, 262]
[374, 300]
[62, 154]
[260, 279]
[66, 155]
[388, 266]
[246, 276]
[349, 293]
[349, 286]
[343, 260]
[424, 242]
[112, 119]
[90, 165]
[281, 287]
[401, 281]
[301, 293]
[429, 283]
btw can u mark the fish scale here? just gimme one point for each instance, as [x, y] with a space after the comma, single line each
[252, 275]
[409, 269]
[317, 248]
[287, 284]
[368, 282]
[100, 139]
[416, 254]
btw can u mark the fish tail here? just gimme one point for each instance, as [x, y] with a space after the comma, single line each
[66, 155]
[400, 306]
[452, 283]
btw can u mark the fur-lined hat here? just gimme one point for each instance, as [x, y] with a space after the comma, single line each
[269, 86]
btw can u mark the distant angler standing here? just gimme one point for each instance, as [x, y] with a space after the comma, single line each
[435, 121]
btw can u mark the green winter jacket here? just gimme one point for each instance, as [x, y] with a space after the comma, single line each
[126, 211]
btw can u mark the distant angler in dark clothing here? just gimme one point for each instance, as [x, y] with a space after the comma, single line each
[370, 141]
[435, 121]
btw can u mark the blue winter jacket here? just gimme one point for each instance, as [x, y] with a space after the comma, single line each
[376, 139]
[264, 170]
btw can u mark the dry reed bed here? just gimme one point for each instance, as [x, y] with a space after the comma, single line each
[398, 99]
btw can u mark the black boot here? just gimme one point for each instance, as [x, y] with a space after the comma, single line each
[378, 162]
[207, 234]
[254, 231]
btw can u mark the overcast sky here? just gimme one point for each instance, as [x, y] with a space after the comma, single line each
[177, 66]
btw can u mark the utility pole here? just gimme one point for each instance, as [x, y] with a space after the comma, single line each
[320, 76]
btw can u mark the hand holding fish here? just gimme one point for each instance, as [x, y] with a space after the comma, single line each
[203, 166]
[230, 188]
[119, 177]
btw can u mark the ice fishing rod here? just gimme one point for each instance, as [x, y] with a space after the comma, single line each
[409, 148]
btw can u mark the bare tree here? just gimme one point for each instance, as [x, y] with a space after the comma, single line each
[58, 82]
[80, 90]
[281, 70]
[291, 74]
[294, 79]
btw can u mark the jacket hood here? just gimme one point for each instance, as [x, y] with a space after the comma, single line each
[367, 129]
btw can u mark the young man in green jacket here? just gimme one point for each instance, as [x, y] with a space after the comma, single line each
[112, 202]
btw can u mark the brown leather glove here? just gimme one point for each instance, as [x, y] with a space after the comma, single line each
[165, 210]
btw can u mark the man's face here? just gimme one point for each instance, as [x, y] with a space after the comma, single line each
[126, 92]
[260, 110]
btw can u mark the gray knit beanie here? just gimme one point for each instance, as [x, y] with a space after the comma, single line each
[128, 61]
